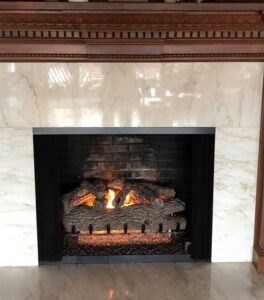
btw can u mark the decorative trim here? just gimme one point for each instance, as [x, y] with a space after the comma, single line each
[132, 33]
[70, 34]
[36, 57]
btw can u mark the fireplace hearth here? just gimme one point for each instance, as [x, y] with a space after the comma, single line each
[109, 194]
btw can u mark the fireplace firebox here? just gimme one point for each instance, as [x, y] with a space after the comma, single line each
[124, 194]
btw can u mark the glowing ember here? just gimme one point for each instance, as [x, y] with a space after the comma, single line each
[124, 239]
[130, 200]
[84, 199]
[118, 231]
[110, 196]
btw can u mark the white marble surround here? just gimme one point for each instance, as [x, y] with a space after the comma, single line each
[223, 95]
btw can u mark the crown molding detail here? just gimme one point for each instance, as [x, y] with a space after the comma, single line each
[73, 34]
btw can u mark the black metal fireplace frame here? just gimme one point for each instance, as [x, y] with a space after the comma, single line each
[122, 130]
[50, 247]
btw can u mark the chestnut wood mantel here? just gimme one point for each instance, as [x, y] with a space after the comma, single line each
[142, 32]
[131, 32]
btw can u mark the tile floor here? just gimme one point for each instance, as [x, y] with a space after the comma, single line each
[163, 281]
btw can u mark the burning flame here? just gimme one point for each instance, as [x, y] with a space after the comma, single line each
[110, 196]
[128, 201]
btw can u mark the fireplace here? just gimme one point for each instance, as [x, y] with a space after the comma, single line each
[124, 194]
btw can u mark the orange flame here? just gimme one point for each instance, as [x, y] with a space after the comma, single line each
[110, 196]
[130, 200]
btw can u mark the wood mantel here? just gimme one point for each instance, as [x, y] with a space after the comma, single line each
[258, 255]
[90, 32]
[131, 32]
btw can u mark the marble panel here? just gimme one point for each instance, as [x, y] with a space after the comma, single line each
[17, 198]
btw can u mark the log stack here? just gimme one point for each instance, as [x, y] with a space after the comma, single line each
[152, 206]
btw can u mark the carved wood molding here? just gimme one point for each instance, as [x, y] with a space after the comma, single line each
[130, 35]
[220, 57]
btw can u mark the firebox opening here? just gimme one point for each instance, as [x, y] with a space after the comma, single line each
[119, 195]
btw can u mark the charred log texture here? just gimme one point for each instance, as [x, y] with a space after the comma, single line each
[121, 196]
[80, 196]
[134, 216]
[96, 190]
[90, 194]
[163, 193]
[100, 184]
[116, 184]
[144, 193]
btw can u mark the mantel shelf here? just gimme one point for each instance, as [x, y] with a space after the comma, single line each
[123, 7]
[62, 31]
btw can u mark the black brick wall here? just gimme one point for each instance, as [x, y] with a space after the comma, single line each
[162, 158]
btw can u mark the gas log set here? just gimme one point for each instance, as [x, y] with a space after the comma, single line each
[121, 217]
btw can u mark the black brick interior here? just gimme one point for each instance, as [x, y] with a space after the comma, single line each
[159, 158]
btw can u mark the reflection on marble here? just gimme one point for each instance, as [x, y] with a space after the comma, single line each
[222, 95]
[142, 94]
[184, 281]
[17, 199]
[236, 152]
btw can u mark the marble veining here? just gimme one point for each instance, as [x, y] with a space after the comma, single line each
[184, 281]
[143, 94]
[222, 95]
[236, 153]
[17, 198]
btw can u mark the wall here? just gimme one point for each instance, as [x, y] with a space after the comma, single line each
[222, 95]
